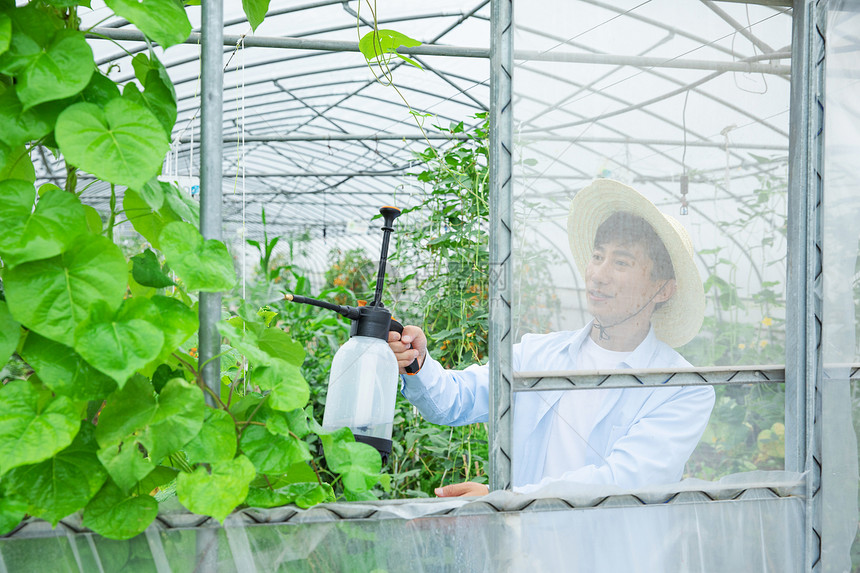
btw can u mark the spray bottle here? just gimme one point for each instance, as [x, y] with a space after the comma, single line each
[363, 381]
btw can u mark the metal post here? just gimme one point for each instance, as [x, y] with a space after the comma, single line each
[210, 181]
[501, 221]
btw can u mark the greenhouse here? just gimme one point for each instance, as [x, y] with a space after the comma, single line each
[476, 285]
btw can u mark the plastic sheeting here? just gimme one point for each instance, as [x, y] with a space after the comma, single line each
[746, 522]
[836, 518]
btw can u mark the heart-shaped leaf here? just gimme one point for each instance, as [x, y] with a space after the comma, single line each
[269, 454]
[21, 126]
[218, 493]
[255, 10]
[10, 333]
[15, 163]
[61, 70]
[147, 271]
[158, 95]
[376, 44]
[289, 389]
[123, 144]
[176, 320]
[117, 515]
[118, 344]
[64, 371]
[358, 464]
[137, 427]
[216, 441]
[147, 220]
[51, 296]
[100, 90]
[63, 484]
[29, 235]
[32, 427]
[164, 21]
[202, 265]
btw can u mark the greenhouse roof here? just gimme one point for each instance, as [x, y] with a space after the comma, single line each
[312, 136]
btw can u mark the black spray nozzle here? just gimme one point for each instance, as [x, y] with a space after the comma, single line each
[388, 214]
[350, 312]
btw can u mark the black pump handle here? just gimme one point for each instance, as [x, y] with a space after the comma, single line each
[398, 328]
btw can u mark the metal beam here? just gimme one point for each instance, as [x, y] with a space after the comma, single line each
[713, 376]
[211, 184]
[466, 52]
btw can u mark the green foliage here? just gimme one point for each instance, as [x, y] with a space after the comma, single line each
[746, 430]
[379, 45]
[102, 407]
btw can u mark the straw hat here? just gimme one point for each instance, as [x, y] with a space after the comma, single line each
[680, 318]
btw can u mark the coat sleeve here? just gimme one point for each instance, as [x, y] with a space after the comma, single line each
[654, 449]
[449, 397]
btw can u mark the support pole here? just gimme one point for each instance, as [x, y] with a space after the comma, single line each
[501, 225]
[210, 181]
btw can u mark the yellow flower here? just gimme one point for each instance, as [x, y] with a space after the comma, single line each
[742, 345]
[767, 321]
[763, 343]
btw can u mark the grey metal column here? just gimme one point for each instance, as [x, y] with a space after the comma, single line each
[801, 226]
[209, 343]
[210, 180]
[501, 221]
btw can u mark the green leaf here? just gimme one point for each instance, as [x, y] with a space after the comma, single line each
[10, 333]
[358, 464]
[374, 45]
[63, 484]
[15, 163]
[146, 219]
[32, 427]
[62, 69]
[100, 90]
[279, 344]
[176, 320]
[122, 143]
[269, 454]
[118, 344]
[29, 235]
[216, 494]
[92, 270]
[12, 511]
[216, 441]
[156, 98]
[64, 371]
[255, 10]
[202, 265]
[288, 387]
[182, 205]
[117, 515]
[5, 32]
[302, 494]
[138, 428]
[157, 478]
[164, 21]
[21, 126]
[94, 220]
[148, 272]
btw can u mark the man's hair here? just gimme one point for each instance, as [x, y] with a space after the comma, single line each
[628, 229]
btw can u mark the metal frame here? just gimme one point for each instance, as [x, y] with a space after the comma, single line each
[802, 372]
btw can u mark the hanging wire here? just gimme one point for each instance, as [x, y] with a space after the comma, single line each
[685, 180]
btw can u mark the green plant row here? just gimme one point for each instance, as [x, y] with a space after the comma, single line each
[103, 406]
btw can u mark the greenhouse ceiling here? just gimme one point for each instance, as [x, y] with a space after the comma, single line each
[312, 136]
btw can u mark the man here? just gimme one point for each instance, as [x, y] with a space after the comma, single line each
[646, 296]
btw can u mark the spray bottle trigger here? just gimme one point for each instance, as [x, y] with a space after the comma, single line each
[398, 328]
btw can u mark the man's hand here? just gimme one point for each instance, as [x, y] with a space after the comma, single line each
[408, 346]
[468, 488]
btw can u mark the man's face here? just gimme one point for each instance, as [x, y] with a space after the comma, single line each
[618, 282]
